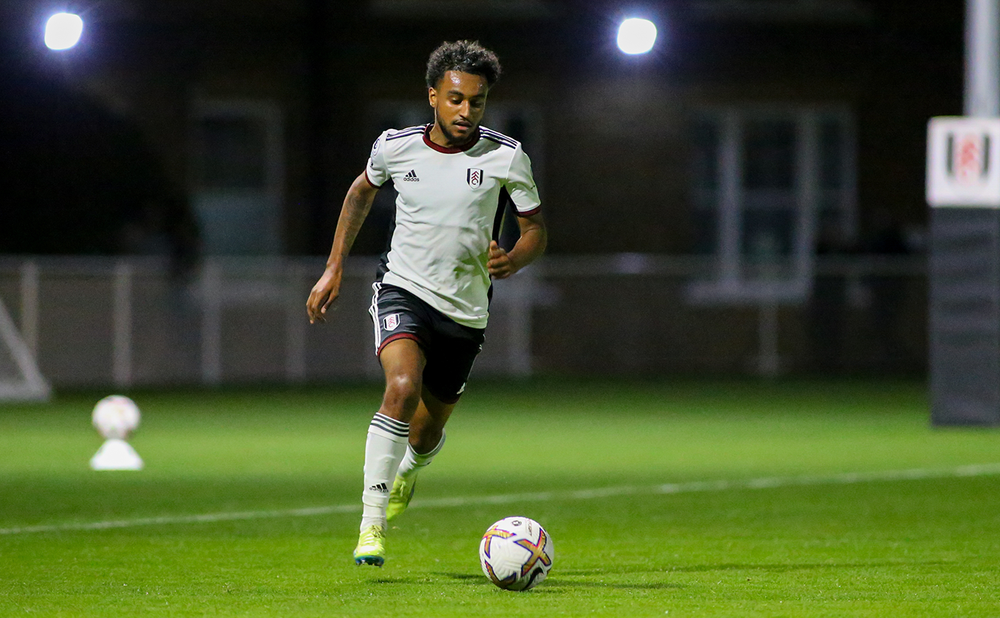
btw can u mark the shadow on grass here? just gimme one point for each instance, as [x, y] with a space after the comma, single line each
[770, 568]
[565, 578]
[562, 583]
[558, 582]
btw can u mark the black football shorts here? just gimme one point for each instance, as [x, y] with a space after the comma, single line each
[450, 347]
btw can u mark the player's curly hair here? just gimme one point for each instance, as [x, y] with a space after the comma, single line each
[465, 56]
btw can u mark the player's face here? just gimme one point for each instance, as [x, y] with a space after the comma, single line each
[459, 102]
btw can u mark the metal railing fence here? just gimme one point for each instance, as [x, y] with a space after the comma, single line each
[128, 322]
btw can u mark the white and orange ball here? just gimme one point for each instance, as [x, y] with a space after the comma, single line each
[115, 417]
[516, 553]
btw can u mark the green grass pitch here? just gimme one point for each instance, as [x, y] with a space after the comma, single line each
[674, 498]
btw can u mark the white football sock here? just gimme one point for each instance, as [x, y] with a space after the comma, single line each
[386, 444]
[414, 461]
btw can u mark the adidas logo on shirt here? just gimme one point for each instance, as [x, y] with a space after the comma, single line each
[411, 176]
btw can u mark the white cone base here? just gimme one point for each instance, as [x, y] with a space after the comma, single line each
[116, 454]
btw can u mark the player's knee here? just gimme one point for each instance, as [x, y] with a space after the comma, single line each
[402, 391]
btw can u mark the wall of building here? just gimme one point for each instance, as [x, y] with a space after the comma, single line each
[614, 152]
[616, 129]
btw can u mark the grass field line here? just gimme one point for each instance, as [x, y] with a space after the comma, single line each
[545, 496]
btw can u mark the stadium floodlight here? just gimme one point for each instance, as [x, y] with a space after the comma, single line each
[636, 36]
[63, 31]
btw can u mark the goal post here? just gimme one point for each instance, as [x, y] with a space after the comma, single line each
[20, 378]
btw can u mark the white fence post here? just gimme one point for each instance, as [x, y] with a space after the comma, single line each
[121, 351]
[522, 300]
[768, 358]
[211, 324]
[30, 277]
[295, 324]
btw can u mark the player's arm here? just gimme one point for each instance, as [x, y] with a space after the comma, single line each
[356, 206]
[526, 250]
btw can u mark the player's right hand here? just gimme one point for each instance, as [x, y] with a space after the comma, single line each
[323, 295]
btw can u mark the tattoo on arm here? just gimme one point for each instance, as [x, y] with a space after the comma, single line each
[356, 208]
[352, 215]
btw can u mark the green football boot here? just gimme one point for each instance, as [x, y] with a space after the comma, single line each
[371, 547]
[400, 496]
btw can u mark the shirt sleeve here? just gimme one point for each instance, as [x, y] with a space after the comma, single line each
[521, 185]
[377, 172]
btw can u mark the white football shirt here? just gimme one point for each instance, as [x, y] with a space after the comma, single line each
[449, 207]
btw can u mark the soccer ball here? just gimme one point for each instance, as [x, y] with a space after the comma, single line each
[116, 416]
[516, 553]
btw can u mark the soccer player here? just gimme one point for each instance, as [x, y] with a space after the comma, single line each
[454, 179]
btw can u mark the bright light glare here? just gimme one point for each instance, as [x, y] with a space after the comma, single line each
[63, 31]
[636, 36]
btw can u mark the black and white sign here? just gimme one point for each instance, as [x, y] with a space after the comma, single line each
[963, 161]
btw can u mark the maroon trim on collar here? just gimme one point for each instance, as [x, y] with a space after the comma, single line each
[445, 149]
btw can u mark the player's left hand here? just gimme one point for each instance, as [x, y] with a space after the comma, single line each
[323, 295]
[499, 264]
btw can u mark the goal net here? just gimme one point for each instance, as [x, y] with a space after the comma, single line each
[20, 379]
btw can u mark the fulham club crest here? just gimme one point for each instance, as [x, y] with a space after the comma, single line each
[963, 162]
[474, 177]
[391, 321]
[968, 157]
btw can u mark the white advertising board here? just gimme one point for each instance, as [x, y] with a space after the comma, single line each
[963, 161]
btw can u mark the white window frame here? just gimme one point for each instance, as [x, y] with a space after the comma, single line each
[734, 281]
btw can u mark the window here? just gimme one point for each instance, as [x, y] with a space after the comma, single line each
[767, 183]
[238, 176]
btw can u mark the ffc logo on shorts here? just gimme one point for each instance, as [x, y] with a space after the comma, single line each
[391, 321]
[474, 176]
